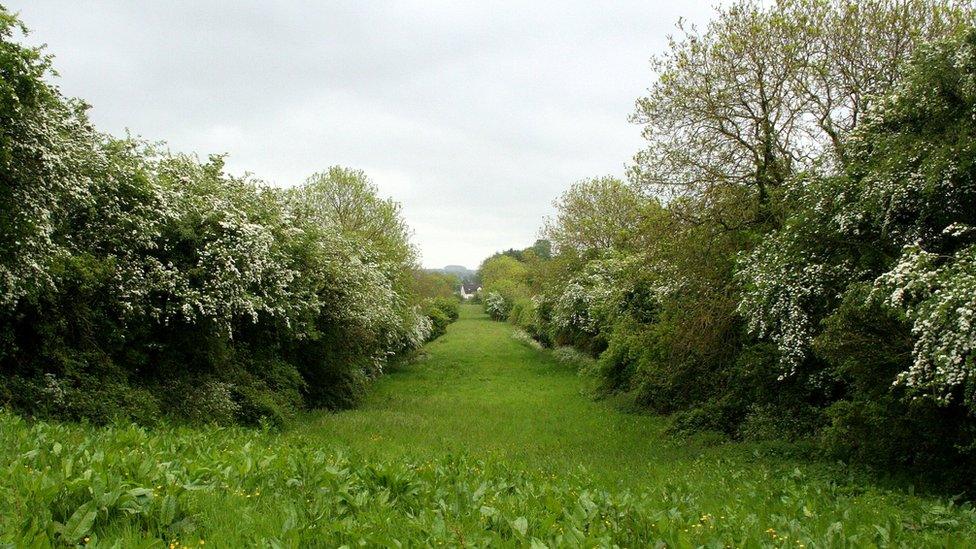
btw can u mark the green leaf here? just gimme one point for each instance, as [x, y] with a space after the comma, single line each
[79, 524]
[142, 495]
[196, 485]
[167, 512]
[521, 525]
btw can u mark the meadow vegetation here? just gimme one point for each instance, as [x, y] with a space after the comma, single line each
[483, 441]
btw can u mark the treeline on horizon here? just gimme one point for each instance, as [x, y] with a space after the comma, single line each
[793, 254]
[138, 284]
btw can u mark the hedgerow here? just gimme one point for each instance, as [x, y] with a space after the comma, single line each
[795, 255]
[137, 283]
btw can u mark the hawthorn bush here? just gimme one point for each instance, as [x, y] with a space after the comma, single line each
[136, 283]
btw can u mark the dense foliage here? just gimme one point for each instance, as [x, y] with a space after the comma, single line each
[794, 253]
[137, 283]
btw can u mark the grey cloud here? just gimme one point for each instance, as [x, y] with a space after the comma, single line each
[475, 116]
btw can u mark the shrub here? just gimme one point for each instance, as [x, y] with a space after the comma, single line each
[450, 306]
[713, 417]
[439, 312]
[522, 315]
[526, 338]
[256, 404]
[495, 306]
[91, 398]
[504, 279]
[771, 422]
[438, 318]
[201, 401]
[135, 282]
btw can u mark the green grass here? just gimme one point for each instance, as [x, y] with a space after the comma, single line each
[481, 392]
[485, 441]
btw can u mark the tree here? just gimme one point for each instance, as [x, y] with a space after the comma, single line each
[853, 51]
[723, 111]
[429, 284]
[507, 278]
[762, 92]
[501, 268]
[542, 249]
[595, 215]
[47, 150]
[347, 199]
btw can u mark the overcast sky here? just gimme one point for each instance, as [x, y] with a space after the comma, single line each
[475, 116]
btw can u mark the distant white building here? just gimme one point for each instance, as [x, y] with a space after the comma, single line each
[468, 290]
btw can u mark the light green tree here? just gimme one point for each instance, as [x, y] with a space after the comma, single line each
[595, 215]
[764, 91]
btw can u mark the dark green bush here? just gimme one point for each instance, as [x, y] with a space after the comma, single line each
[256, 404]
[100, 401]
[891, 434]
[713, 417]
[438, 318]
[200, 400]
[618, 365]
[450, 306]
[523, 316]
[772, 422]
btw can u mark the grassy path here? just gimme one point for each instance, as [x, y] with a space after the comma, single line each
[481, 392]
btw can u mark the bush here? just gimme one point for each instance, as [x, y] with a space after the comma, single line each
[135, 282]
[438, 319]
[771, 422]
[200, 401]
[713, 417]
[526, 338]
[504, 282]
[495, 306]
[569, 356]
[450, 306]
[440, 312]
[256, 404]
[100, 401]
[891, 434]
[522, 315]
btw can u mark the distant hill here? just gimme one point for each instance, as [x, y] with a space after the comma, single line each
[456, 269]
[460, 271]
[453, 269]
